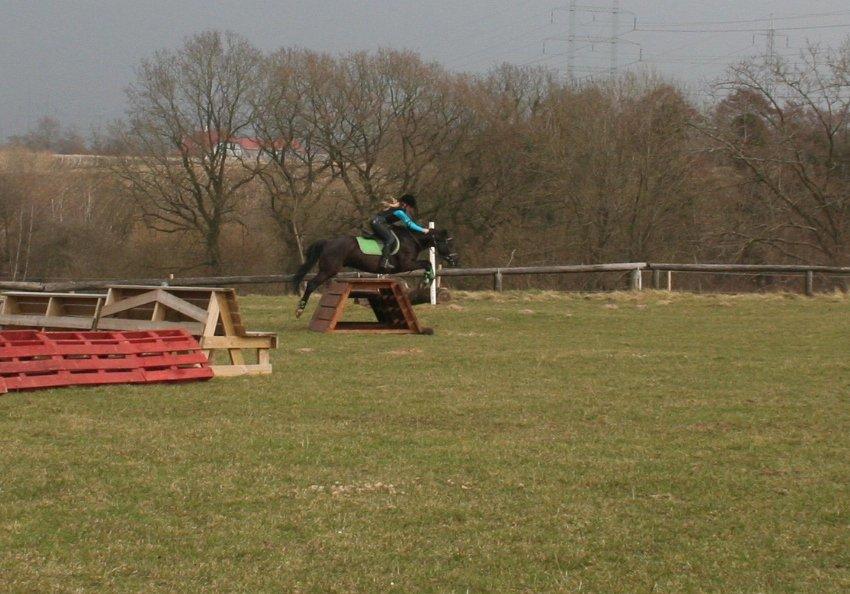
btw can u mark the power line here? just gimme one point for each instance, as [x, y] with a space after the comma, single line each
[762, 20]
[761, 30]
[501, 53]
[494, 46]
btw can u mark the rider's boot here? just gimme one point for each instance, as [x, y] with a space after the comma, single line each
[385, 263]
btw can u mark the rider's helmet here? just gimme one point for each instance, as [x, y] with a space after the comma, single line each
[409, 200]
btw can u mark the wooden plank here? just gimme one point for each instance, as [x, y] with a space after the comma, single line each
[213, 315]
[332, 299]
[238, 342]
[96, 316]
[42, 321]
[235, 315]
[324, 313]
[180, 305]
[264, 358]
[193, 328]
[9, 305]
[86, 310]
[45, 294]
[21, 286]
[175, 288]
[238, 370]
[577, 268]
[159, 312]
[129, 303]
[319, 325]
[406, 309]
[270, 336]
[224, 307]
[340, 308]
[90, 344]
[113, 294]
[368, 328]
[54, 307]
[750, 268]
[32, 308]
[105, 363]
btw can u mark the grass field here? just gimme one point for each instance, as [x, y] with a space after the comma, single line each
[537, 442]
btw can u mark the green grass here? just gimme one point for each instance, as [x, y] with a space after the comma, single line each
[537, 442]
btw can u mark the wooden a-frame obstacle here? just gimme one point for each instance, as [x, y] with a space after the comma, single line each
[386, 297]
[210, 314]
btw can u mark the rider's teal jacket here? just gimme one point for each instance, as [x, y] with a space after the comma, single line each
[397, 215]
[408, 222]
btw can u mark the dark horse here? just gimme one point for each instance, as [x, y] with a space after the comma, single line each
[334, 254]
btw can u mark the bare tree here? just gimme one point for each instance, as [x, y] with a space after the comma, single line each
[291, 164]
[617, 177]
[490, 179]
[352, 118]
[428, 118]
[784, 128]
[186, 110]
[384, 120]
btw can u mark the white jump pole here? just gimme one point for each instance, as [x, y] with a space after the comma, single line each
[432, 257]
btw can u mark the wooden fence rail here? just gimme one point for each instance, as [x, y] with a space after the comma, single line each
[661, 275]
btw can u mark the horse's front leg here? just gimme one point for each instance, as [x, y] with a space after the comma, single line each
[430, 275]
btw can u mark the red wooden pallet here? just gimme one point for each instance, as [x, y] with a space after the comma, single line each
[30, 359]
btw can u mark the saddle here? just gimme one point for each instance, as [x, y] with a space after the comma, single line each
[371, 245]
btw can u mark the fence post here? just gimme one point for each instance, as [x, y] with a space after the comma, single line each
[497, 281]
[810, 282]
[432, 258]
[656, 279]
[669, 280]
[636, 280]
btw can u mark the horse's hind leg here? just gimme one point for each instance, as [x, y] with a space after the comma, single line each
[313, 284]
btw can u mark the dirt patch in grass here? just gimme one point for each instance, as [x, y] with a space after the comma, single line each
[405, 352]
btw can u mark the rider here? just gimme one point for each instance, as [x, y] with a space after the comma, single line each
[395, 212]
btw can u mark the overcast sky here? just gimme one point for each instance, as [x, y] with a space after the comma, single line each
[72, 59]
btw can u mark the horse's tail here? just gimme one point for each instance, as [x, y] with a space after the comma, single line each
[313, 253]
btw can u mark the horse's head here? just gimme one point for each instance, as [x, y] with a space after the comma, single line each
[444, 243]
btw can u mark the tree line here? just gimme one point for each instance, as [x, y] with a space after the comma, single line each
[232, 159]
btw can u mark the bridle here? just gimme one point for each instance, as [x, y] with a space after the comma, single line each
[451, 257]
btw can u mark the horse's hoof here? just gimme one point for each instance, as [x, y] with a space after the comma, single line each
[298, 312]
